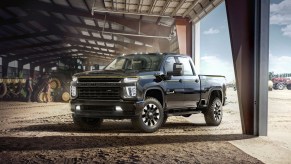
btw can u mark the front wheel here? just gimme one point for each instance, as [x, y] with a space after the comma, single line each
[87, 124]
[280, 86]
[151, 117]
[213, 114]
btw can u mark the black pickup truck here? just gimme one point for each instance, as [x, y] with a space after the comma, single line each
[146, 88]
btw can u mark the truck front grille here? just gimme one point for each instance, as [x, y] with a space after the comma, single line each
[99, 93]
[99, 80]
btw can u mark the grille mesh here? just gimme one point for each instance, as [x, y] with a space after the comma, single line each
[99, 79]
[99, 93]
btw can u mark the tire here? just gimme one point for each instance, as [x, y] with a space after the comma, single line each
[280, 86]
[213, 114]
[65, 96]
[55, 83]
[3, 90]
[275, 86]
[40, 97]
[289, 86]
[87, 124]
[151, 118]
[18, 88]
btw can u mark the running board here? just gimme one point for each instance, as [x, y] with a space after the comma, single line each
[180, 113]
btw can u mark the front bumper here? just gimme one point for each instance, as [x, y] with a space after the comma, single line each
[106, 108]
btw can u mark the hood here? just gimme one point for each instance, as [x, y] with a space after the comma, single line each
[108, 73]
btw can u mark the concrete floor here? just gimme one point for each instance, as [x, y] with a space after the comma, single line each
[44, 133]
[276, 147]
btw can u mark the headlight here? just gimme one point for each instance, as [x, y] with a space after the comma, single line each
[74, 78]
[130, 80]
[73, 90]
[130, 91]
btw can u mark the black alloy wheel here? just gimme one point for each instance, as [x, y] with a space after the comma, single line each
[213, 114]
[151, 117]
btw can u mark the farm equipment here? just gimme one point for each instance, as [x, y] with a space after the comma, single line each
[281, 82]
[60, 88]
[12, 89]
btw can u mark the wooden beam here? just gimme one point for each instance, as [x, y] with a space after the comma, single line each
[152, 6]
[139, 6]
[112, 2]
[61, 54]
[83, 13]
[181, 3]
[190, 8]
[165, 7]
[55, 50]
[31, 46]
[25, 36]
[28, 55]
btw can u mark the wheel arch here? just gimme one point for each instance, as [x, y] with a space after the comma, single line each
[155, 92]
[216, 92]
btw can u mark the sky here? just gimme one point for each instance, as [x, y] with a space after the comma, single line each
[215, 51]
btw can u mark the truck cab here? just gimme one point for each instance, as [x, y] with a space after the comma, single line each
[146, 88]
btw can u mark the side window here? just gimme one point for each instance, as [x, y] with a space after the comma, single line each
[187, 66]
[169, 64]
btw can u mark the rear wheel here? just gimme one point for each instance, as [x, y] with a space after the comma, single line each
[280, 86]
[3, 90]
[213, 114]
[87, 124]
[151, 118]
[289, 86]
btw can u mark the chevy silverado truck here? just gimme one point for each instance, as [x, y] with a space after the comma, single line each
[146, 88]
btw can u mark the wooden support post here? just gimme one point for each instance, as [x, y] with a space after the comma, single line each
[184, 34]
[19, 68]
[4, 67]
[31, 71]
[248, 22]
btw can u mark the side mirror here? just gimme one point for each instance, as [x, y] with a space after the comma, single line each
[160, 76]
[178, 69]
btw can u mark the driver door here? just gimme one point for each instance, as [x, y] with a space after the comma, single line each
[174, 86]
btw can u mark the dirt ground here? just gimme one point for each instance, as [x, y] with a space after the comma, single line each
[44, 133]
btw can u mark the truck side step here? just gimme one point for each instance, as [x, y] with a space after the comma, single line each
[182, 112]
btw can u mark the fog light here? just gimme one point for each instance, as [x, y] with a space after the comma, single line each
[118, 108]
[78, 107]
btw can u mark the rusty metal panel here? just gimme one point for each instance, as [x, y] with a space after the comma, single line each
[184, 34]
[249, 59]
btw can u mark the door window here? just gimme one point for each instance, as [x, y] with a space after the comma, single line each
[187, 66]
[169, 64]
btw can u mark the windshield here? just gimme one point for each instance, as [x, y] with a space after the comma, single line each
[140, 62]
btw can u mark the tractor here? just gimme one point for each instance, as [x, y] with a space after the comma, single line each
[281, 82]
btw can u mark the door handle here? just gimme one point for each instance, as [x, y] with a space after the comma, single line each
[170, 92]
[196, 81]
[180, 80]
